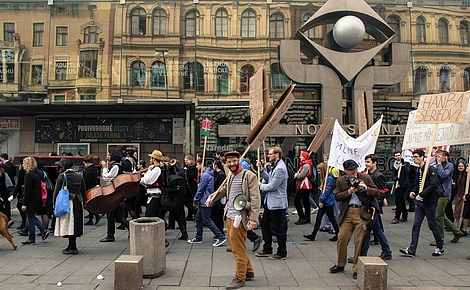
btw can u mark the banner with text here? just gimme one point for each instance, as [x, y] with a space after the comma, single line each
[344, 147]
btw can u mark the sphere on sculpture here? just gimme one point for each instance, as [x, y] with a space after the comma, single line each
[349, 31]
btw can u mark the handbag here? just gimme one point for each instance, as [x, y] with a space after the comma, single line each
[62, 206]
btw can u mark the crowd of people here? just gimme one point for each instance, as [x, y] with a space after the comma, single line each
[228, 197]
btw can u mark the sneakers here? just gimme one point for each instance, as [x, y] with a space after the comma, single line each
[276, 257]
[28, 242]
[235, 284]
[219, 242]
[408, 252]
[315, 210]
[194, 241]
[295, 212]
[438, 252]
[250, 276]
[45, 235]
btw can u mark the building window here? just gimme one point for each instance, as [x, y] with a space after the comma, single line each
[36, 75]
[464, 36]
[444, 79]
[466, 79]
[9, 32]
[1, 67]
[158, 73]
[193, 76]
[221, 23]
[279, 79]
[276, 26]
[62, 36]
[192, 24]
[61, 71]
[246, 72]
[87, 94]
[443, 31]
[88, 63]
[222, 79]
[138, 22]
[91, 34]
[421, 80]
[248, 24]
[159, 22]
[420, 30]
[311, 32]
[38, 34]
[138, 77]
[394, 23]
[9, 69]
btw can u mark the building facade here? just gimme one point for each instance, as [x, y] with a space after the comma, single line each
[154, 69]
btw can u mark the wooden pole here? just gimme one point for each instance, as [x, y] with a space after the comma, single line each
[428, 158]
[259, 171]
[204, 151]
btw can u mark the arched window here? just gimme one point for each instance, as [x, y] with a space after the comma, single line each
[194, 76]
[394, 23]
[221, 23]
[420, 30]
[192, 24]
[464, 36]
[276, 26]
[444, 79]
[311, 32]
[91, 34]
[443, 31]
[138, 22]
[248, 24]
[159, 22]
[421, 79]
[279, 79]
[466, 79]
[157, 75]
[246, 72]
[138, 78]
[222, 79]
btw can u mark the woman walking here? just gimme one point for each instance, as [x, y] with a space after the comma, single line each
[459, 181]
[304, 187]
[70, 225]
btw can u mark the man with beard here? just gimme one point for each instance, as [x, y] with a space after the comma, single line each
[241, 181]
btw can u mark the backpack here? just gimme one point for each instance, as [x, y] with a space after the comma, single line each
[49, 184]
[128, 165]
[174, 188]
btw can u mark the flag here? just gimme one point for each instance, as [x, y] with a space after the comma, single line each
[344, 147]
[206, 127]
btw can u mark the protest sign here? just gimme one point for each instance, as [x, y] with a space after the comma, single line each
[442, 108]
[324, 130]
[259, 96]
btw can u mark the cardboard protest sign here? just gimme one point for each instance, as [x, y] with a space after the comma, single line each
[259, 96]
[324, 130]
[344, 147]
[442, 108]
[362, 115]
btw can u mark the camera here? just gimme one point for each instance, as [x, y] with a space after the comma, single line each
[356, 184]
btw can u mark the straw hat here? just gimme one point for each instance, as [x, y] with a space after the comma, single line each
[157, 154]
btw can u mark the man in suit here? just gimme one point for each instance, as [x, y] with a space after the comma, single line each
[357, 192]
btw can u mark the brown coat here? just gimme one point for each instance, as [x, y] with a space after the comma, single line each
[341, 193]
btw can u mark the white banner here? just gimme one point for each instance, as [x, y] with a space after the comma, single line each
[419, 135]
[344, 147]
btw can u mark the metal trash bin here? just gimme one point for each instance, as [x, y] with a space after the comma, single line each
[147, 238]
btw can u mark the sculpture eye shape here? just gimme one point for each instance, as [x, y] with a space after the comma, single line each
[351, 22]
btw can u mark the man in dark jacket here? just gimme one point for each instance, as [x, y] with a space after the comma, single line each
[426, 206]
[400, 174]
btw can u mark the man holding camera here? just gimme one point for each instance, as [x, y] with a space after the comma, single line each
[356, 191]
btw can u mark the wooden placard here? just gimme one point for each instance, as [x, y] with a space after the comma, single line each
[324, 130]
[362, 115]
[442, 108]
[259, 96]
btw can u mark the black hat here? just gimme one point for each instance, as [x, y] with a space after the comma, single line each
[232, 154]
[350, 164]
[64, 162]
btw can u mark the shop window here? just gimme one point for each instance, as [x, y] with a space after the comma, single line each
[221, 23]
[248, 24]
[222, 79]
[91, 34]
[192, 24]
[276, 26]
[443, 31]
[138, 77]
[9, 32]
[88, 63]
[38, 34]
[138, 22]
[158, 73]
[246, 72]
[193, 76]
[62, 36]
[159, 22]
[394, 23]
[36, 75]
[420, 30]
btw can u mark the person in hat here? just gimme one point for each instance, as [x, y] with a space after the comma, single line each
[355, 190]
[241, 181]
[70, 225]
[153, 181]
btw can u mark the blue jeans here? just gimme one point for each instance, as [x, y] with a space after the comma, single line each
[203, 217]
[379, 233]
[428, 211]
[33, 222]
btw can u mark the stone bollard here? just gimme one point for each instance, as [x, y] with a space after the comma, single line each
[372, 273]
[128, 273]
[147, 238]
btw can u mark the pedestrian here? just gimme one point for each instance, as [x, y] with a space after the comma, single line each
[356, 192]
[304, 187]
[460, 178]
[192, 176]
[90, 175]
[400, 175]
[245, 182]
[70, 225]
[425, 206]
[274, 221]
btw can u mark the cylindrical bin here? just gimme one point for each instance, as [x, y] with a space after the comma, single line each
[147, 238]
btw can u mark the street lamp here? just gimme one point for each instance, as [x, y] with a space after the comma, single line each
[163, 52]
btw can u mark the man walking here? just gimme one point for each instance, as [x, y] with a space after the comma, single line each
[274, 221]
[400, 174]
[425, 206]
[241, 181]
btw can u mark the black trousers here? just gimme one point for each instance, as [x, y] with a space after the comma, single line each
[115, 215]
[401, 194]
[274, 223]
[178, 214]
[217, 215]
[302, 197]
